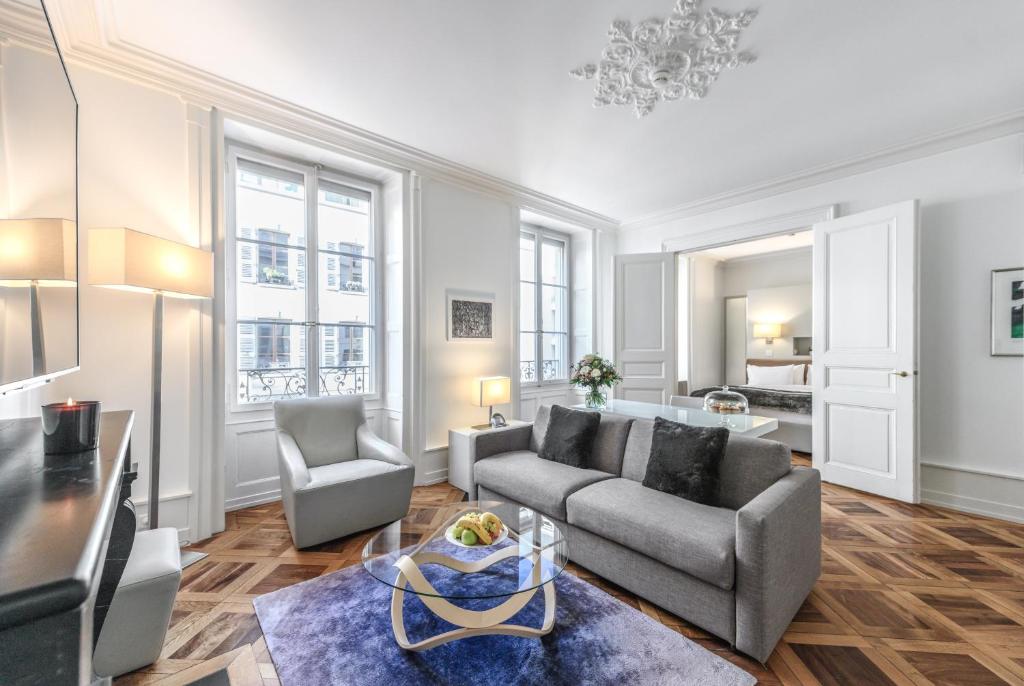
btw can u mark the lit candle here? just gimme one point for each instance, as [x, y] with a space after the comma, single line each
[71, 427]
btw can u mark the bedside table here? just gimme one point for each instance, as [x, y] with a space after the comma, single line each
[461, 455]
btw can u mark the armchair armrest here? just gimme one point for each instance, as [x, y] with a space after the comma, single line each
[294, 473]
[503, 440]
[370, 446]
[778, 558]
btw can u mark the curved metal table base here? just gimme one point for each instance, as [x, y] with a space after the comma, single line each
[471, 622]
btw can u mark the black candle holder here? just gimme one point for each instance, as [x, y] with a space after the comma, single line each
[71, 427]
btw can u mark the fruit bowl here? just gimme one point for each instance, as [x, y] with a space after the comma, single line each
[474, 528]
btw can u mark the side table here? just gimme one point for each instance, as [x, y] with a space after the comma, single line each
[461, 455]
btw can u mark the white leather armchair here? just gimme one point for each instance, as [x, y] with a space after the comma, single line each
[337, 477]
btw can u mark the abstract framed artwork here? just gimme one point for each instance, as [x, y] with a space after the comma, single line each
[1008, 312]
[470, 315]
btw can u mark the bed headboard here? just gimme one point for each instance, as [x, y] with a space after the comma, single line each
[776, 362]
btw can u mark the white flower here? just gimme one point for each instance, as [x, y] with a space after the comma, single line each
[584, 370]
[595, 373]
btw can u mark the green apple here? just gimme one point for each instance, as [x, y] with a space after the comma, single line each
[457, 532]
[469, 537]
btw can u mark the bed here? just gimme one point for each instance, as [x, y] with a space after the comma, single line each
[778, 388]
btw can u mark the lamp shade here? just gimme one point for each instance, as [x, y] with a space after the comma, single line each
[766, 330]
[127, 259]
[494, 390]
[41, 250]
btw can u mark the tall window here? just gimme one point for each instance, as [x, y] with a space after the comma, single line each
[543, 306]
[301, 331]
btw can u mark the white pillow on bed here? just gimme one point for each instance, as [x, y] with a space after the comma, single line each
[773, 376]
[809, 368]
[798, 374]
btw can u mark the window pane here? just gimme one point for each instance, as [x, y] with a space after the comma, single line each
[270, 282]
[553, 310]
[269, 200]
[527, 256]
[555, 356]
[527, 355]
[552, 262]
[527, 307]
[271, 360]
[346, 354]
[344, 219]
[345, 289]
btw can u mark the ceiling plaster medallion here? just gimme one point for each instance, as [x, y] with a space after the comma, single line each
[667, 59]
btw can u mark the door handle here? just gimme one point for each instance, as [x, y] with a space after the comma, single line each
[902, 374]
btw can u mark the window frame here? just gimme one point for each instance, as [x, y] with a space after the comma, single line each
[539, 234]
[311, 173]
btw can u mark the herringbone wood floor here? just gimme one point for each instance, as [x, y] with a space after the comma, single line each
[909, 595]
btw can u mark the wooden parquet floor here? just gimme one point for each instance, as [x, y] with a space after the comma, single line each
[910, 595]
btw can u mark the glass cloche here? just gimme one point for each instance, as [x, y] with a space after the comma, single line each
[726, 402]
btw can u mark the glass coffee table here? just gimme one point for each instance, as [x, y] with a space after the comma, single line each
[415, 554]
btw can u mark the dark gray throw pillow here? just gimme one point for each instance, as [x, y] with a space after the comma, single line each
[570, 436]
[685, 460]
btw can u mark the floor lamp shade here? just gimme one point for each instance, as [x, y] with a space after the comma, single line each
[39, 250]
[131, 260]
[127, 259]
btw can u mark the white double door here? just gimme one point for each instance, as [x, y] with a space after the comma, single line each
[864, 376]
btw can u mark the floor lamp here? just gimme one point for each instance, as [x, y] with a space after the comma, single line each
[36, 253]
[130, 260]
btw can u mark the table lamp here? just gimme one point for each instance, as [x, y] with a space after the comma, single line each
[129, 260]
[34, 253]
[491, 391]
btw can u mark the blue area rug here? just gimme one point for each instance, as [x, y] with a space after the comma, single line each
[336, 629]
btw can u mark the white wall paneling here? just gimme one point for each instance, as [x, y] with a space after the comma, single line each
[645, 326]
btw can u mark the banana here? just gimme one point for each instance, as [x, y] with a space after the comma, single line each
[472, 522]
[491, 521]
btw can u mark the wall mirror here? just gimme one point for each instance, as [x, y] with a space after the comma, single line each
[38, 201]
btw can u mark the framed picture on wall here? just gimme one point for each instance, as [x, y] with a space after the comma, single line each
[1008, 311]
[470, 315]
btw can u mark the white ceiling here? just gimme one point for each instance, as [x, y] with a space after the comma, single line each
[762, 246]
[486, 84]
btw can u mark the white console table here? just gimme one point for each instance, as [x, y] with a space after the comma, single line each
[746, 424]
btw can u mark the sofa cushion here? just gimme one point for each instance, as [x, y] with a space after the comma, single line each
[539, 484]
[570, 436]
[697, 539]
[749, 466]
[540, 427]
[610, 443]
[685, 459]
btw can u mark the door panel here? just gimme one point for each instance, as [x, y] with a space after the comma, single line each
[865, 359]
[645, 326]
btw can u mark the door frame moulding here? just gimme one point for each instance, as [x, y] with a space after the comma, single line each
[778, 225]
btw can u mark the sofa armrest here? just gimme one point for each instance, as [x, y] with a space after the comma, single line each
[373, 447]
[778, 558]
[502, 440]
[294, 473]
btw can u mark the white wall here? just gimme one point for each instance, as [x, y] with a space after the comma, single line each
[469, 243]
[789, 306]
[786, 268]
[707, 323]
[132, 172]
[972, 212]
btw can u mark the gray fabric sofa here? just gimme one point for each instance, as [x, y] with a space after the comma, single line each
[740, 571]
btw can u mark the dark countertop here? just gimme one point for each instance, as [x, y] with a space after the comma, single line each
[55, 514]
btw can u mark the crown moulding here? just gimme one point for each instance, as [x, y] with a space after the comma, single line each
[667, 59]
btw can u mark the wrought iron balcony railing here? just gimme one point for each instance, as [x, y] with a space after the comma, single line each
[265, 385]
[552, 369]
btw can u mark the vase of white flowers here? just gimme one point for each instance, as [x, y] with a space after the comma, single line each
[594, 374]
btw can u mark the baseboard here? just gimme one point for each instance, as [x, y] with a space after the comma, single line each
[434, 477]
[174, 512]
[971, 490]
[252, 500]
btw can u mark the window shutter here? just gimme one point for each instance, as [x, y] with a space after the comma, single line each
[332, 267]
[247, 257]
[246, 346]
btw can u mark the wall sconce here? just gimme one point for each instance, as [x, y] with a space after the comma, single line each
[491, 391]
[769, 332]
